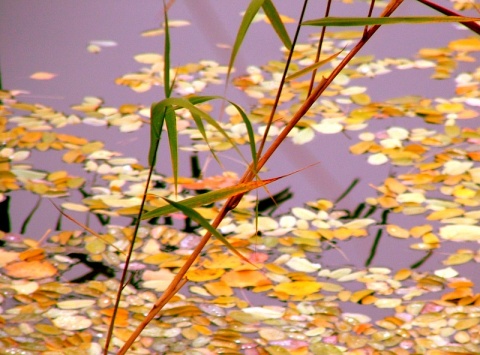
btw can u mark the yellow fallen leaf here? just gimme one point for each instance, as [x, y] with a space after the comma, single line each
[397, 232]
[200, 275]
[445, 213]
[222, 261]
[298, 288]
[42, 75]
[465, 44]
[219, 288]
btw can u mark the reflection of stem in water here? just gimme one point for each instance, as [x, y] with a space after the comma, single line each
[5, 225]
[97, 268]
[273, 202]
[370, 211]
[30, 215]
[347, 191]
[373, 250]
[422, 260]
[58, 226]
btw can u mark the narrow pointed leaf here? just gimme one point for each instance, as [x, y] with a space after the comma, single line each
[171, 122]
[277, 24]
[250, 13]
[195, 216]
[312, 67]
[367, 21]
[251, 134]
[187, 103]
[157, 118]
[166, 67]
[210, 197]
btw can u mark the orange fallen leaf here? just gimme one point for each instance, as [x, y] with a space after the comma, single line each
[219, 288]
[32, 254]
[121, 318]
[33, 270]
[245, 278]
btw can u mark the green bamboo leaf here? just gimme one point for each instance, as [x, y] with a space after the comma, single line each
[277, 24]
[251, 134]
[312, 67]
[194, 215]
[188, 104]
[166, 67]
[248, 124]
[171, 122]
[211, 196]
[157, 118]
[367, 21]
[250, 13]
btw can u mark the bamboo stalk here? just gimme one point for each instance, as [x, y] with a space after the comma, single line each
[249, 175]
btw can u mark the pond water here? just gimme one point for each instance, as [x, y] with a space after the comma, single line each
[57, 37]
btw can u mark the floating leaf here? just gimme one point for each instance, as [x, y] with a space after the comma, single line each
[7, 257]
[302, 264]
[298, 288]
[42, 75]
[76, 304]
[32, 270]
[199, 275]
[262, 313]
[72, 322]
[245, 278]
[397, 232]
[460, 232]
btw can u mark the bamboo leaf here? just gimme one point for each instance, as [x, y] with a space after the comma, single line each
[250, 132]
[195, 216]
[171, 122]
[367, 21]
[189, 104]
[277, 24]
[210, 197]
[157, 118]
[166, 67]
[312, 67]
[250, 13]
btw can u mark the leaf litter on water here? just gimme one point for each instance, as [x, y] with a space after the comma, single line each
[433, 157]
